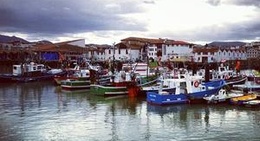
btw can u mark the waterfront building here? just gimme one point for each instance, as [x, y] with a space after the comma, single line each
[128, 49]
[96, 52]
[215, 54]
[70, 50]
[153, 48]
[253, 50]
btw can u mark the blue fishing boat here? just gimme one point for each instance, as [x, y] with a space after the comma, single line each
[187, 88]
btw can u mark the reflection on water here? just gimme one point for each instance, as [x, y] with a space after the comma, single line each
[42, 111]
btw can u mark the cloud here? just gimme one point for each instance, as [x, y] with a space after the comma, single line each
[149, 1]
[110, 20]
[213, 2]
[65, 16]
[255, 3]
[242, 31]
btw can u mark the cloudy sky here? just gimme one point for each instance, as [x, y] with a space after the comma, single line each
[109, 21]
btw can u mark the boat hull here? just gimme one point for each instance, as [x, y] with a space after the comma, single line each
[9, 78]
[159, 99]
[236, 80]
[75, 84]
[252, 103]
[242, 99]
[107, 90]
[222, 97]
[170, 90]
[244, 87]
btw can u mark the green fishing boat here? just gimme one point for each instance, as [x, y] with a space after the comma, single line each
[73, 84]
[108, 90]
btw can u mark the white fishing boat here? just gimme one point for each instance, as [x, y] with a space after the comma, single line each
[249, 86]
[223, 96]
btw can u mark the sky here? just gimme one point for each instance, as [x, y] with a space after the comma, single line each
[109, 21]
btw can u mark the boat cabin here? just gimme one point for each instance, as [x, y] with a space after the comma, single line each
[223, 72]
[25, 68]
[184, 84]
[140, 68]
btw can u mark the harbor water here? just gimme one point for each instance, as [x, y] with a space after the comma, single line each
[42, 111]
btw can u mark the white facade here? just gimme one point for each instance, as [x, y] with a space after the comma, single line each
[204, 56]
[219, 55]
[175, 51]
[152, 51]
[123, 54]
[134, 54]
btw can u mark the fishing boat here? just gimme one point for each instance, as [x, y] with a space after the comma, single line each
[28, 72]
[83, 73]
[125, 80]
[248, 86]
[252, 103]
[187, 88]
[75, 84]
[73, 74]
[120, 86]
[230, 76]
[242, 99]
[253, 76]
[108, 90]
[84, 81]
[222, 96]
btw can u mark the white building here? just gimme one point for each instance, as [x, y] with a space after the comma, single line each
[152, 48]
[253, 49]
[213, 54]
[176, 50]
[134, 48]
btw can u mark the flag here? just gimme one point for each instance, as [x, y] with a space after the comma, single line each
[237, 65]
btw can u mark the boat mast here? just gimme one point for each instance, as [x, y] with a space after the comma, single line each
[147, 58]
[113, 63]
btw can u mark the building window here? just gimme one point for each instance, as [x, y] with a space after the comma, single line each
[126, 51]
[109, 51]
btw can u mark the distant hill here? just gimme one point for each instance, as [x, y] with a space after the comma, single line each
[43, 42]
[7, 39]
[226, 44]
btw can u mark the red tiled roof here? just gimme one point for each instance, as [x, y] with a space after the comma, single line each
[58, 48]
[205, 50]
[136, 42]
